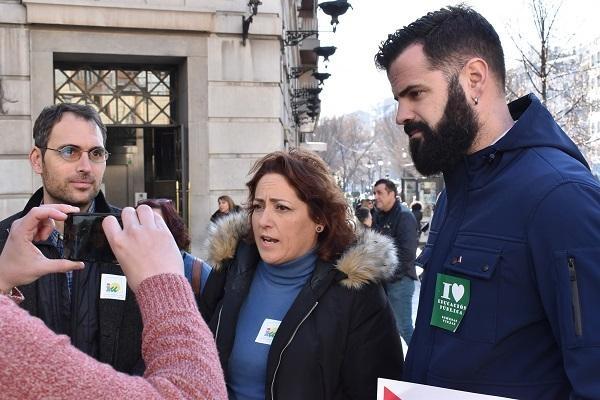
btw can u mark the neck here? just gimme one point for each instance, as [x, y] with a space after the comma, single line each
[495, 120]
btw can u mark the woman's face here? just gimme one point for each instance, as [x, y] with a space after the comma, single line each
[282, 228]
[223, 206]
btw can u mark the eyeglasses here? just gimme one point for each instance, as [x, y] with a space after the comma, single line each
[73, 153]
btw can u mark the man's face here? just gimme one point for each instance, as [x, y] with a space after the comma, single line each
[384, 199]
[72, 182]
[435, 113]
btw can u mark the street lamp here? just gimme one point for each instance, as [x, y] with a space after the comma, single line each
[380, 163]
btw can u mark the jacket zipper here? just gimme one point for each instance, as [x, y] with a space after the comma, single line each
[286, 346]
[575, 297]
[218, 323]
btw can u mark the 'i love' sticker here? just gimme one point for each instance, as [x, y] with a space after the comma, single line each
[450, 301]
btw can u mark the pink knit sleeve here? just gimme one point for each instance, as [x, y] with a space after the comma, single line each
[177, 346]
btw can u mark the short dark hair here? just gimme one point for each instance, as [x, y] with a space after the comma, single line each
[51, 115]
[313, 183]
[416, 206]
[389, 185]
[172, 219]
[450, 37]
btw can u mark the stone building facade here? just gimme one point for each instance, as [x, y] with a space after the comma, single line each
[189, 103]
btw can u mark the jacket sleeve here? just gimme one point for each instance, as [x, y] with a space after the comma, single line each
[181, 357]
[406, 239]
[374, 349]
[564, 238]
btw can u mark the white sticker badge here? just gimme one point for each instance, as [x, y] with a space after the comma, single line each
[113, 287]
[267, 331]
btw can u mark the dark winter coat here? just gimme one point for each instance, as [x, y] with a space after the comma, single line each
[339, 335]
[108, 330]
[520, 220]
[400, 224]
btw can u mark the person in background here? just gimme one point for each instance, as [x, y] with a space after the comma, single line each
[226, 206]
[395, 220]
[195, 270]
[363, 214]
[179, 351]
[295, 298]
[509, 300]
[417, 210]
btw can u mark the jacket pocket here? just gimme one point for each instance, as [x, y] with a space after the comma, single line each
[577, 278]
[478, 265]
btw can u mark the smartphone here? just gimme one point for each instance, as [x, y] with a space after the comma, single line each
[84, 238]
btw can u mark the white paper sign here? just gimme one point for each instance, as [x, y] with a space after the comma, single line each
[113, 287]
[388, 389]
[267, 331]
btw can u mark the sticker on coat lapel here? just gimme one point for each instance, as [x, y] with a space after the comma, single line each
[267, 331]
[452, 295]
[113, 287]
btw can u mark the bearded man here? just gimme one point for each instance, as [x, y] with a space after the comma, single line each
[512, 276]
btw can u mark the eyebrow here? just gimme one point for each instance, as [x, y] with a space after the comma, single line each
[273, 200]
[406, 90]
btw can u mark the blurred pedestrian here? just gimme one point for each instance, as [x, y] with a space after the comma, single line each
[36, 363]
[226, 206]
[295, 299]
[395, 220]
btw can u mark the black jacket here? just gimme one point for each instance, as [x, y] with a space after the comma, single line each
[400, 224]
[339, 334]
[108, 330]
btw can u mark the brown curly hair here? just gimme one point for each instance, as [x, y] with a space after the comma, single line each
[313, 183]
[172, 219]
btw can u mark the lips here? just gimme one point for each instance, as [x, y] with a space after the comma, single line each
[268, 239]
[84, 184]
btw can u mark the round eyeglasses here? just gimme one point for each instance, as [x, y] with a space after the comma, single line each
[73, 153]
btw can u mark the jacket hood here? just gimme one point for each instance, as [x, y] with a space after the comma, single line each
[371, 258]
[536, 128]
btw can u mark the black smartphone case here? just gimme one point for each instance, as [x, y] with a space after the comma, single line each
[84, 238]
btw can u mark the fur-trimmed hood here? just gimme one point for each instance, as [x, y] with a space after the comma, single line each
[372, 258]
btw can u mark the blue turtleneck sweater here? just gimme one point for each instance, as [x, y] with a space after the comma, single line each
[272, 292]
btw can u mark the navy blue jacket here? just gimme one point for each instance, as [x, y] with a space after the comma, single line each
[522, 217]
[400, 224]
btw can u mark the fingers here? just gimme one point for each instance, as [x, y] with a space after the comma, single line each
[51, 266]
[112, 229]
[39, 214]
[146, 216]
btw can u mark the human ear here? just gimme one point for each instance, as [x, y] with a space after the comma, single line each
[476, 75]
[36, 160]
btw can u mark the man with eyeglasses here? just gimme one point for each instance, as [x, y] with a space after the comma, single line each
[70, 156]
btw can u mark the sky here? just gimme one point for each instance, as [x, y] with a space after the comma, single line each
[356, 85]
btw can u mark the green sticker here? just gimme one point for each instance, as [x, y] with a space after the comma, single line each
[450, 302]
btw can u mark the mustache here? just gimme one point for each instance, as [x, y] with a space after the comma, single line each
[416, 126]
[83, 178]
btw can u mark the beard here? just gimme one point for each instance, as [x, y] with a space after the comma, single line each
[59, 190]
[440, 149]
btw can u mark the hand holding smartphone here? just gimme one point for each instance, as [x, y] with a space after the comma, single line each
[84, 238]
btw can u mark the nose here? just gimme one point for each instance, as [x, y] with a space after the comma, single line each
[84, 164]
[403, 114]
[264, 217]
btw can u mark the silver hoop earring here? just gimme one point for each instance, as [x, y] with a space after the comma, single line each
[319, 228]
[476, 100]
